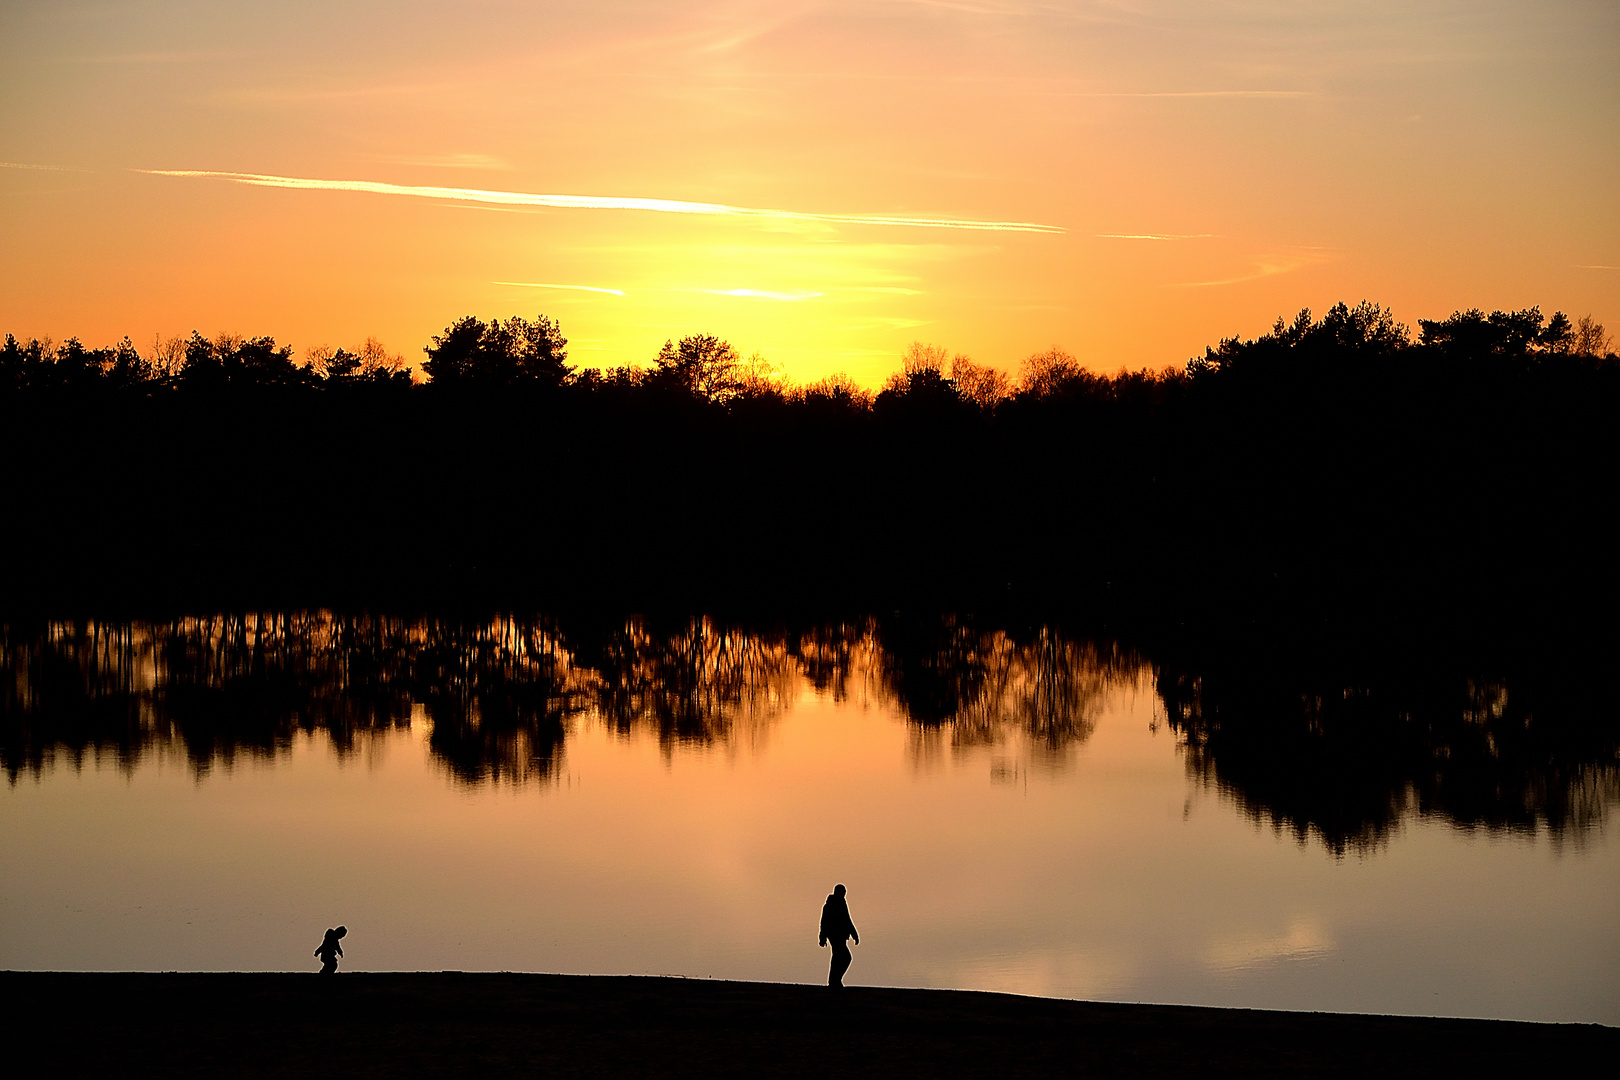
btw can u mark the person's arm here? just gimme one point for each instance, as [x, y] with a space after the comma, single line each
[339, 948]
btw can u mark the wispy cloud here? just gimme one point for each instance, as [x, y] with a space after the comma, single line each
[597, 202]
[1267, 266]
[738, 37]
[1194, 93]
[972, 9]
[339, 92]
[762, 294]
[39, 168]
[888, 324]
[1035, 85]
[553, 285]
[190, 57]
[1153, 236]
[1595, 266]
[493, 209]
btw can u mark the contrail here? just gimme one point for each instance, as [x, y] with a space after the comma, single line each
[39, 168]
[550, 285]
[597, 202]
[1153, 236]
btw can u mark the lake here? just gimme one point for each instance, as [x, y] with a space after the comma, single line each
[1012, 808]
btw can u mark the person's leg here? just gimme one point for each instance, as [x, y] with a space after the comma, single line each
[841, 959]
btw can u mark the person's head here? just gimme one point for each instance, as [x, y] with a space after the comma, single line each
[340, 931]
[838, 890]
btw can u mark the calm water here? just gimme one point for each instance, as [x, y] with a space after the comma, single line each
[1011, 811]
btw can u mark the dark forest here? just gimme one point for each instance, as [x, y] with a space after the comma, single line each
[1339, 474]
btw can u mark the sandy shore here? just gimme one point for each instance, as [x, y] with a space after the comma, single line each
[559, 1025]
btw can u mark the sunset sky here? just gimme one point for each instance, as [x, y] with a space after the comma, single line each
[822, 183]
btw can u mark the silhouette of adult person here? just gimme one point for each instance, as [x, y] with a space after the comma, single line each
[838, 928]
[330, 950]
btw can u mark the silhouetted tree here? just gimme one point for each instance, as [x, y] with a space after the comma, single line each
[921, 383]
[76, 368]
[18, 362]
[759, 380]
[380, 365]
[1047, 374]
[168, 356]
[372, 364]
[236, 362]
[537, 344]
[980, 384]
[701, 365]
[336, 365]
[1472, 333]
[837, 392]
[1589, 339]
[1558, 334]
[1307, 348]
[517, 352]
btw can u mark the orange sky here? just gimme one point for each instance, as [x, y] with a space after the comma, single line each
[1429, 155]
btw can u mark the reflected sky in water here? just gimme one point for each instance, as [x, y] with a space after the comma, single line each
[1011, 810]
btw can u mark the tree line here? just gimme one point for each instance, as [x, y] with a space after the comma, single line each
[516, 353]
[1341, 474]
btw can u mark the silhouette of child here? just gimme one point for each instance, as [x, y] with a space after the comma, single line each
[330, 950]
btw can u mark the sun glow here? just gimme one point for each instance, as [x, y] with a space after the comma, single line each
[820, 184]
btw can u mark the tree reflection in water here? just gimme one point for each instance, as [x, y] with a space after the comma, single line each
[1349, 764]
[975, 687]
[499, 695]
[693, 685]
[1342, 762]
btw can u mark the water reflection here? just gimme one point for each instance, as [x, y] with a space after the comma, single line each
[1348, 764]
[692, 684]
[973, 686]
[1340, 764]
[499, 694]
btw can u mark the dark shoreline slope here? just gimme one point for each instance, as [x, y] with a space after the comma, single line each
[554, 1025]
